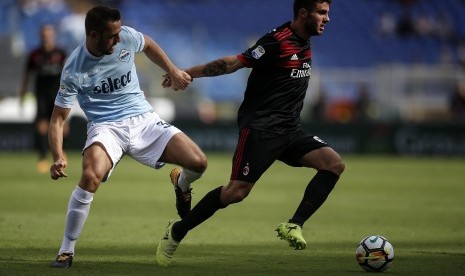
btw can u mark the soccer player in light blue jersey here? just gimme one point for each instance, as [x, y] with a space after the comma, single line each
[101, 74]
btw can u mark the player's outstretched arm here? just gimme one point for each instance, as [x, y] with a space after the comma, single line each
[179, 79]
[55, 141]
[221, 66]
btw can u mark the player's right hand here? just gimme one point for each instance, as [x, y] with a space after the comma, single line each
[57, 169]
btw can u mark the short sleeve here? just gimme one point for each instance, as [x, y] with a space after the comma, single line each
[135, 37]
[67, 91]
[263, 53]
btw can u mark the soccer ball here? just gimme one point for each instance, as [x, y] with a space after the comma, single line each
[375, 253]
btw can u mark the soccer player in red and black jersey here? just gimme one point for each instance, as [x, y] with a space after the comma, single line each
[269, 125]
[46, 63]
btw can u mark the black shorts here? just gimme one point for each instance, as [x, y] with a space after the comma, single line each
[257, 150]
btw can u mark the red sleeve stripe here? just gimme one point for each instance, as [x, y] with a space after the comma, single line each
[244, 61]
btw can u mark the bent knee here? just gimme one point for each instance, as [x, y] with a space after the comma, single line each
[234, 195]
[236, 198]
[337, 167]
[90, 180]
[199, 163]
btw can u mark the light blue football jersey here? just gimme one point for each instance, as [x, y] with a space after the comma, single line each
[107, 88]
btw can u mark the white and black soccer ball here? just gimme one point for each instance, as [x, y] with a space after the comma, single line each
[375, 253]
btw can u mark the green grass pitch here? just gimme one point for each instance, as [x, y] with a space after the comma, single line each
[418, 204]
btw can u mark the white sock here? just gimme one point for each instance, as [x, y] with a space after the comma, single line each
[78, 210]
[186, 178]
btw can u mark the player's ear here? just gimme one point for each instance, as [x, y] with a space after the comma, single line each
[93, 34]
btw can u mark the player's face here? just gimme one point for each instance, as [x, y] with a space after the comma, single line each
[318, 18]
[109, 38]
[47, 35]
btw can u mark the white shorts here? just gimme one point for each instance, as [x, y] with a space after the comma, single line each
[143, 137]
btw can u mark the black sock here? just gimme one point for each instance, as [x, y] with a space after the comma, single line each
[206, 207]
[41, 143]
[315, 194]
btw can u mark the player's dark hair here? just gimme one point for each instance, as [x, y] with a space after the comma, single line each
[98, 17]
[306, 4]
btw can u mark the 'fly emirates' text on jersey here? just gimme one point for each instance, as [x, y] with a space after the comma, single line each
[281, 68]
[107, 87]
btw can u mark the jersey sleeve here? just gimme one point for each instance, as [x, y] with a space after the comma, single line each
[135, 37]
[67, 92]
[262, 54]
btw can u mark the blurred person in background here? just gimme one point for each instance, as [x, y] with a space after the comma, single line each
[270, 126]
[319, 107]
[72, 30]
[386, 24]
[461, 53]
[101, 75]
[457, 102]
[405, 24]
[44, 64]
[71, 26]
[363, 104]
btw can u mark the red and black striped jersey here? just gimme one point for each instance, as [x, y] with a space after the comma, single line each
[47, 66]
[276, 88]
